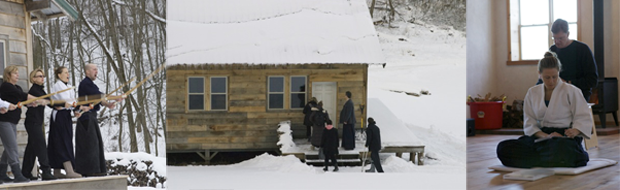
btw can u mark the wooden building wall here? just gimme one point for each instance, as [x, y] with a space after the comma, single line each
[248, 125]
[15, 32]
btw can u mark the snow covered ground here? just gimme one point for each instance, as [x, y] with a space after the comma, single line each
[287, 172]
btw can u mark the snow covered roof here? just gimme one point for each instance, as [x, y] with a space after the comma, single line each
[271, 32]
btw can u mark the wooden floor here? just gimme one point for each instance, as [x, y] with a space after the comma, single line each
[481, 154]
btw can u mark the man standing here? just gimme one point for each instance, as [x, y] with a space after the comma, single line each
[89, 157]
[578, 64]
[347, 118]
[373, 142]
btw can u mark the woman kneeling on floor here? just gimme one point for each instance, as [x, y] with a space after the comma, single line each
[556, 117]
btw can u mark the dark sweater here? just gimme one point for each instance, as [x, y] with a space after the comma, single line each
[13, 94]
[578, 66]
[88, 87]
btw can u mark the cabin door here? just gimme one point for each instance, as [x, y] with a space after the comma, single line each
[326, 92]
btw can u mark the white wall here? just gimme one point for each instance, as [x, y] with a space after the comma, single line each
[480, 44]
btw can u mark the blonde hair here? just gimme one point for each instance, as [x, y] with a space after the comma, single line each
[8, 70]
[34, 72]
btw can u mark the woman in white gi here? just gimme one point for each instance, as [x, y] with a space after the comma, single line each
[556, 117]
[60, 141]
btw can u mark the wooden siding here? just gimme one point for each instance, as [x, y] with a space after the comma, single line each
[247, 124]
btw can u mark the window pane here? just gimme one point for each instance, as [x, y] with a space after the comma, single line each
[298, 100]
[534, 12]
[276, 101]
[565, 9]
[218, 102]
[298, 84]
[276, 84]
[196, 85]
[196, 102]
[218, 85]
[572, 31]
[534, 42]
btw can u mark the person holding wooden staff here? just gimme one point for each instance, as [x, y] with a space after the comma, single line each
[60, 142]
[36, 138]
[13, 94]
[89, 154]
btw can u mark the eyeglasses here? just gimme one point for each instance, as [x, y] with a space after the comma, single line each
[39, 76]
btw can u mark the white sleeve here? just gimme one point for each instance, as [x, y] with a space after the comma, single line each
[530, 125]
[582, 119]
[4, 104]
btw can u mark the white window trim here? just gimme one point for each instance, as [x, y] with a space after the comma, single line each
[291, 90]
[5, 44]
[283, 91]
[519, 26]
[211, 93]
[203, 94]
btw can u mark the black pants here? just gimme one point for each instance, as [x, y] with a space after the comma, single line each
[555, 152]
[35, 148]
[89, 154]
[308, 131]
[333, 158]
[376, 161]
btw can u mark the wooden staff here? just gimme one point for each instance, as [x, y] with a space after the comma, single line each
[19, 104]
[124, 95]
[109, 94]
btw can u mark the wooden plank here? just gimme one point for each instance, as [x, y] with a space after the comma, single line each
[204, 140]
[250, 97]
[192, 128]
[12, 20]
[11, 8]
[18, 59]
[182, 146]
[17, 46]
[17, 34]
[248, 109]
[243, 103]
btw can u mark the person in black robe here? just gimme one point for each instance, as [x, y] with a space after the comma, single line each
[347, 118]
[319, 117]
[36, 146]
[307, 121]
[373, 142]
[89, 153]
[329, 144]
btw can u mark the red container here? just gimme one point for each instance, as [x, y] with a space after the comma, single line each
[488, 115]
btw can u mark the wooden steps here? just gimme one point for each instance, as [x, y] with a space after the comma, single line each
[343, 160]
[106, 182]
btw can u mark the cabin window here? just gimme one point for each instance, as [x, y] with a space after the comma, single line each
[219, 91]
[298, 92]
[530, 27]
[196, 91]
[276, 92]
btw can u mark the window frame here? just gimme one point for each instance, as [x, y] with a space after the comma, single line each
[283, 91]
[211, 93]
[509, 61]
[5, 44]
[290, 91]
[204, 105]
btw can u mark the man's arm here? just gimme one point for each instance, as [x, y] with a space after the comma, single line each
[588, 67]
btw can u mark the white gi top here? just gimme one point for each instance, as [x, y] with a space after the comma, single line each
[68, 95]
[566, 106]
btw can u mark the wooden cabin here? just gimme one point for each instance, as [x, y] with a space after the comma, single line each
[232, 76]
[16, 39]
